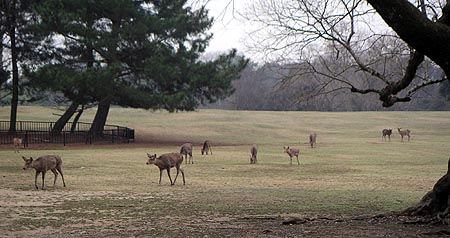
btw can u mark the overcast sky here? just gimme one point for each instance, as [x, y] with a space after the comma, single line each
[228, 29]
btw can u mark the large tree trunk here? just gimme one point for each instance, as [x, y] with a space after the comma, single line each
[15, 71]
[76, 119]
[100, 117]
[62, 121]
[435, 202]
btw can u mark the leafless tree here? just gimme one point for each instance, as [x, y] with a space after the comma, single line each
[330, 39]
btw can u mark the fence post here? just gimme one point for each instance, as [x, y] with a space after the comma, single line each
[26, 140]
[64, 138]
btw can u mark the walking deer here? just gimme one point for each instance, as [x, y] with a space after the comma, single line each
[17, 143]
[186, 149]
[404, 133]
[42, 165]
[165, 162]
[254, 152]
[292, 152]
[206, 147]
[312, 139]
[386, 132]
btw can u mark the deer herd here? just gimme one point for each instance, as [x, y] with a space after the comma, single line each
[168, 160]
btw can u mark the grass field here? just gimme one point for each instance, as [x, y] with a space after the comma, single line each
[350, 172]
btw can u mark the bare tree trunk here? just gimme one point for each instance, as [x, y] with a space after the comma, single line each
[100, 117]
[62, 121]
[75, 120]
[15, 71]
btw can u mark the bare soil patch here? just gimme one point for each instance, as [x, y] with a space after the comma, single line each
[64, 213]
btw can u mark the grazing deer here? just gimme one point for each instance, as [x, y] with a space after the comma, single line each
[312, 139]
[165, 162]
[254, 152]
[186, 149]
[206, 147]
[17, 143]
[42, 165]
[404, 133]
[386, 132]
[292, 152]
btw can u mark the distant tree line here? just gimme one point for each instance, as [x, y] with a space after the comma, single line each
[132, 53]
[272, 87]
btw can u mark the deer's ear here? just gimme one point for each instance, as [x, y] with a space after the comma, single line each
[24, 158]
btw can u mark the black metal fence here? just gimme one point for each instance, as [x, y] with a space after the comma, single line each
[36, 132]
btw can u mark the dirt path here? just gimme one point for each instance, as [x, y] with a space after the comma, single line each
[58, 213]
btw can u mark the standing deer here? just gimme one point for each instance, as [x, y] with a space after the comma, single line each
[186, 149]
[386, 132]
[17, 143]
[165, 162]
[404, 133]
[42, 165]
[254, 152]
[206, 147]
[292, 152]
[312, 139]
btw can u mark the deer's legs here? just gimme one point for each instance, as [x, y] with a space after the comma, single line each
[182, 173]
[168, 173]
[298, 161]
[176, 176]
[191, 158]
[35, 179]
[160, 175]
[291, 159]
[62, 176]
[43, 179]
[56, 175]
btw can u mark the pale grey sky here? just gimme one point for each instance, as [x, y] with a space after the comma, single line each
[228, 30]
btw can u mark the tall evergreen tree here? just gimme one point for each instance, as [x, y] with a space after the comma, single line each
[15, 18]
[133, 53]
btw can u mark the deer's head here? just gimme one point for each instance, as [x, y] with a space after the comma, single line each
[286, 148]
[151, 158]
[28, 162]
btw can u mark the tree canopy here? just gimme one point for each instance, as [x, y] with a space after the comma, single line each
[142, 54]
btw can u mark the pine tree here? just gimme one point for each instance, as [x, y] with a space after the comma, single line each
[141, 54]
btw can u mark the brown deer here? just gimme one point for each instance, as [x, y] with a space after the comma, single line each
[312, 139]
[206, 147]
[292, 152]
[165, 162]
[17, 143]
[254, 152]
[404, 133]
[42, 165]
[186, 149]
[386, 132]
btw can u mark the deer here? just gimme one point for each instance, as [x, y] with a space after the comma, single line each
[386, 132]
[312, 139]
[292, 152]
[404, 133]
[186, 149]
[42, 165]
[165, 162]
[17, 143]
[253, 153]
[206, 147]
